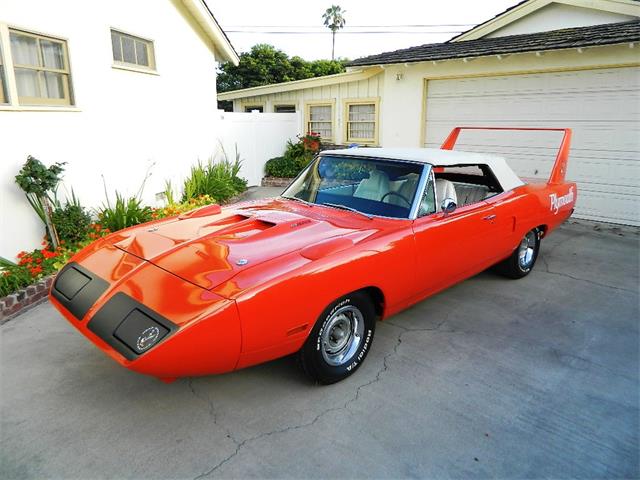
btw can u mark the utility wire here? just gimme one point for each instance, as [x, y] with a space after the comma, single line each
[341, 33]
[426, 25]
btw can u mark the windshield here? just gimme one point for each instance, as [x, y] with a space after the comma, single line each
[368, 185]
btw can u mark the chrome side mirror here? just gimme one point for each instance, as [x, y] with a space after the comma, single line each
[448, 206]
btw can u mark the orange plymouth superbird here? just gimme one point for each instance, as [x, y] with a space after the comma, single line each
[359, 235]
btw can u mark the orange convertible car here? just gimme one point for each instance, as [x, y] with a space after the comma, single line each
[359, 235]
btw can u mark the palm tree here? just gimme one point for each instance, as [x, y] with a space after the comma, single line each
[334, 21]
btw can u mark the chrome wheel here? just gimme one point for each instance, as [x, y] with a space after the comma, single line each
[342, 335]
[527, 250]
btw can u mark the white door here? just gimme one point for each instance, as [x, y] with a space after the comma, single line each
[602, 107]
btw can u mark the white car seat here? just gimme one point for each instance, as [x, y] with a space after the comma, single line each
[444, 189]
[374, 187]
[406, 188]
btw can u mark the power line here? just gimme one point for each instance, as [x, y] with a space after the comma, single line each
[426, 25]
[342, 33]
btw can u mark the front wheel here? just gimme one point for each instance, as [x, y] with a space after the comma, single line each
[523, 258]
[340, 340]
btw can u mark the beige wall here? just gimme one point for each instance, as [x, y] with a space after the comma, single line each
[369, 88]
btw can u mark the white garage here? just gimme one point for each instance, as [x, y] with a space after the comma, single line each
[602, 106]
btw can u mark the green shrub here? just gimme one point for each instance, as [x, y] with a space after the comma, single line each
[126, 212]
[296, 150]
[296, 156]
[71, 221]
[220, 180]
[284, 167]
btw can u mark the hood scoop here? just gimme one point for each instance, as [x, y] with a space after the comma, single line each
[209, 250]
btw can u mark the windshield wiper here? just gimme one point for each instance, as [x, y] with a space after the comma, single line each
[344, 207]
[298, 200]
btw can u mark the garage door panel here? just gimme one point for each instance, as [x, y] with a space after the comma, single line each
[573, 108]
[607, 207]
[601, 106]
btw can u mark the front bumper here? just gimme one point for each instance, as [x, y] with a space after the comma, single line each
[150, 321]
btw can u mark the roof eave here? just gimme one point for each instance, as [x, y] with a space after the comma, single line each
[360, 74]
[518, 11]
[210, 26]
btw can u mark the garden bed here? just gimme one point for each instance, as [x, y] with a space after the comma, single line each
[13, 305]
[276, 181]
[27, 297]
[69, 227]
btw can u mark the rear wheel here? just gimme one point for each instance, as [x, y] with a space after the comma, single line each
[523, 258]
[340, 340]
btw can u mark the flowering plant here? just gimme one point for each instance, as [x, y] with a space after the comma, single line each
[311, 142]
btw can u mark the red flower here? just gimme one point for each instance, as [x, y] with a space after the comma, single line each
[35, 271]
[48, 254]
[21, 254]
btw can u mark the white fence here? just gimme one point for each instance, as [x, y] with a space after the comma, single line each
[259, 137]
[93, 150]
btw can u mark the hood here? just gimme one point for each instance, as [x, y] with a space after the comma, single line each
[209, 249]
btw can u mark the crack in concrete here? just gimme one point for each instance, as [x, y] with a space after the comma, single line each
[213, 414]
[345, 406]
[566, 275]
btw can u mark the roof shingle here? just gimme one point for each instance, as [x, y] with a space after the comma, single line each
[596, 35]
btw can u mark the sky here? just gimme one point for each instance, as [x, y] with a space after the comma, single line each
[408, 23]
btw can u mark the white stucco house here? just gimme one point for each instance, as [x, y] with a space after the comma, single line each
[549, 63]
[108, 87]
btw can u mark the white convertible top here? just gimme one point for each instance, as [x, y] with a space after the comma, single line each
[440, 158]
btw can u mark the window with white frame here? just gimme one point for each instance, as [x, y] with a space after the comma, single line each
[361, 122]
[3, 83]
[133, 51]
[41, 69]
[320, 120]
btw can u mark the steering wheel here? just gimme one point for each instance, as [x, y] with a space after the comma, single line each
[397, 194]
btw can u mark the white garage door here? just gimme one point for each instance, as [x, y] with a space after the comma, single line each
[601, 106]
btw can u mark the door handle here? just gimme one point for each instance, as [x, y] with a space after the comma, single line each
[489, 217]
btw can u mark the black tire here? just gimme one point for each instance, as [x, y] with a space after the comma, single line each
[316, 356]
[514, 267]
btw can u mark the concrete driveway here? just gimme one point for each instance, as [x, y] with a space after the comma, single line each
[492, 378]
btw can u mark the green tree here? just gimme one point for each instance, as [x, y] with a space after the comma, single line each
[265, 65]
[334, 20]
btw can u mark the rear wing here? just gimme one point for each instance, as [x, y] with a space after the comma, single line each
[559, 169]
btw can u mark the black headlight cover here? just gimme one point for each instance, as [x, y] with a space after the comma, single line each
[77, 289]
[130, 327]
